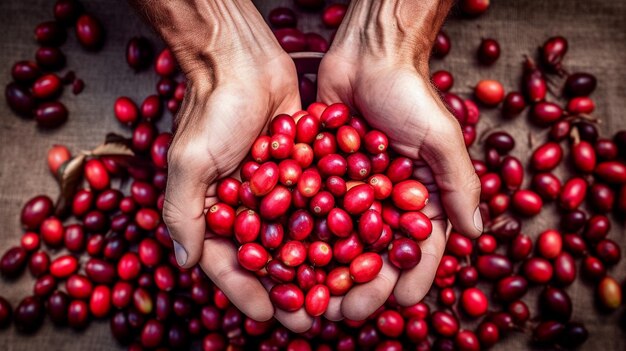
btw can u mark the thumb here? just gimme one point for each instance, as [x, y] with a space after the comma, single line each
[183, 208]
[445, 152]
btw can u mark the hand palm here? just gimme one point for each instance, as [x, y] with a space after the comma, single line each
[214, 134]
[400, 103]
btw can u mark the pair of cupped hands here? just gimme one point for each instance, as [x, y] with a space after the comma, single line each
[233, 93]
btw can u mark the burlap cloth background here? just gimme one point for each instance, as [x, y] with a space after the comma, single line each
[597, 35]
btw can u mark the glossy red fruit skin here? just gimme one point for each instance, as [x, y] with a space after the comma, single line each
[165, 65]
[338, 281]
[322, 203]
[545, 113]
[335, 115]
[260, 150]
[358, 199]
[247, 226]
[82, 203]
[513, 104]
[30, 241]
[345, 250]
[584, 156]
[52, 231]
[365, 267]
[220, 219]
[489, 92]
[370, 226]
[282, 17]
[129, 266]
[474, 302]
[511, 288]
[89, 32]
[333, 15]
[47, 86]
[546, 157]
[612, 172]
[252, 256]
[416, 224]
[348, 139]
[546, 185]
[300, 225]
[537, 270]
[549, 244]
[63, 266]
[78, 286]
[553, 51]
[601, 197]
[609, 293]
[293, 253]
[100, 301]
[564, 269]
[25, 71]
[310, 183]
[264, 179]
[573, 193]
[35, 211]
[490, 185]
[410, 195]
[287, 297]
[404, 253]
[276, 203]
[526, 202]
[501, 141]
[442, 80]
[316, 300]
[444, 323]
[456, 106]
[487, 244]
[581, 105]
[289, 172]
[228, 191]
[100, 271]
[281, 146]
[339, 222]
[97, 175]
[442, 45]
[291, 39]
[51, 114]
[147, 219]
[320, 253]
[126, 111]
[375, 142]
[13, 262]
[493, 266]
[139, 53]
[459, 245]
[488, 51]
[512, 172]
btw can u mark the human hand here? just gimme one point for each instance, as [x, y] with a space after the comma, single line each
[381, 71]
[238, 79]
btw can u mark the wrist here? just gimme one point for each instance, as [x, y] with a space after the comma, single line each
[212, 39]
[399, 32]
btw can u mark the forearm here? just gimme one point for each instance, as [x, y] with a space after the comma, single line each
[403, 30]
[206, 34]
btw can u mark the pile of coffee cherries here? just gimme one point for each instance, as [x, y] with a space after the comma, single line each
[319, 197]
[314, 207]
[36, 86]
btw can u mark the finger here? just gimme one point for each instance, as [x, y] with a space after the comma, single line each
[298, 321]
[333, 312]
[363, 300]
[244, 290]
[415, 283]
[458, 184]
[183, 208]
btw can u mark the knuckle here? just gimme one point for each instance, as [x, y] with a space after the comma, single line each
[172, 216]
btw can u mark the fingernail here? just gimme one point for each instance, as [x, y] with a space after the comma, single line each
[478, 220]
[180, 253]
